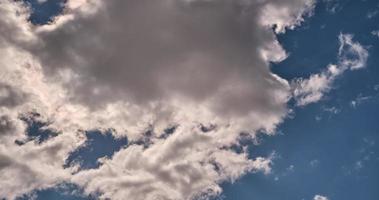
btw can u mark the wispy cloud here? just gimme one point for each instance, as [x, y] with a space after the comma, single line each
[351, 56]
[375, 33]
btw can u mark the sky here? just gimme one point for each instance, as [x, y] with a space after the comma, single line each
[189, 100]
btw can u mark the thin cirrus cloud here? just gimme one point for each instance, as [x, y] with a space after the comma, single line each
[200, 68]
[351, 56]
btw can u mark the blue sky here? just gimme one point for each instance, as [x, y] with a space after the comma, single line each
[328, 148]
[332, 145]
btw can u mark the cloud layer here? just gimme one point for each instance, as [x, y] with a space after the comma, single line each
[198, 68]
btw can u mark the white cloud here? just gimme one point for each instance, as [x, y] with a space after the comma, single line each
[314, 163]
[375, 33]
[358, 165]
[319, 197]
[372, 14]
[161, 171]
[133, 66]
[286, 14]
[351, 56]
[359, 100]
[313, 88]
[332, 6]
[332, 110]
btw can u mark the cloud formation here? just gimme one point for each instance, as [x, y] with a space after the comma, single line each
[351, 56]
[200, 68]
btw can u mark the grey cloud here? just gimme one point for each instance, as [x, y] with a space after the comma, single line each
[6, 125]
[13, 28]
[147, 51]
[10, 96]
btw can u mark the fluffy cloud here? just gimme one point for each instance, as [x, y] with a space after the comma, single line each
[200, 51]
[136, 67]
[351, 56]
[160, 172]
[24, 164]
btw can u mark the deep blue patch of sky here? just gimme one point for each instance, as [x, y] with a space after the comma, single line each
[44, 12]
[36, 129]
[98, 145]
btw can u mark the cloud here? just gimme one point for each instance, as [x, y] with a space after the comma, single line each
[351, 56]
[41, 1]
[312, 89]
[138, 67]
[333, 6]
[174, 50]
[10, 96]
[160, 172]
[314, 163]
[319, 197]
[375, 33]
[372, 14]
[360, 99]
